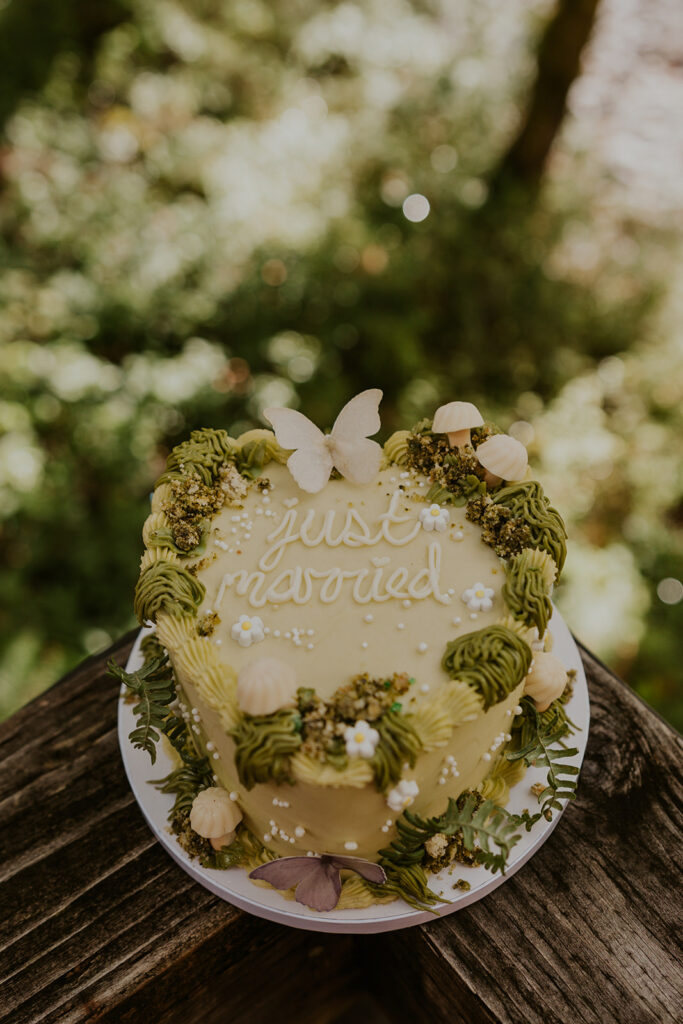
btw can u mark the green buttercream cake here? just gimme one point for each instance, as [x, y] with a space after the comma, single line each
[351, 661]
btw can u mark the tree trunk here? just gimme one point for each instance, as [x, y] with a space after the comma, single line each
[559, 62]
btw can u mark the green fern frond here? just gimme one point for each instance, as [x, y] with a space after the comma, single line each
[538, 741]
[185, 782]
[154, 687]
[409, 883]
[487, 830]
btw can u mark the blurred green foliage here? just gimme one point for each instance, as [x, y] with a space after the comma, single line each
[202, 214]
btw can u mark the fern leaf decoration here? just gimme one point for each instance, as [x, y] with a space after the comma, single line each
[487, 830]
[154, 687]
[193, 775]
[539, 742]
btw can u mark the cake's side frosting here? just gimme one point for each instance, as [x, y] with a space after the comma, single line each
[344, 655]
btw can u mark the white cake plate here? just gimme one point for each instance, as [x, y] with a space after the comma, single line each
[234, 886]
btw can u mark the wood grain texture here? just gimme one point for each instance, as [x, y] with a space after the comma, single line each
[98, 924]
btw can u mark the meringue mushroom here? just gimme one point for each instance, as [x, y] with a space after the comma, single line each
[265, 686]
[503, 458]
[457, 419]
[215, 816]
[546, 680]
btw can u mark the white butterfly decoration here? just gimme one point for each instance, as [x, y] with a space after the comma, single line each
[347, 448]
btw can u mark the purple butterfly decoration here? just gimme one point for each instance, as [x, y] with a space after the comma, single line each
[317, 879]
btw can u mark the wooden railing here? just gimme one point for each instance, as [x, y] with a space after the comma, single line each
[97, 923]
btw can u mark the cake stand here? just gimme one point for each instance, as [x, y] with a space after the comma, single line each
[234, 886]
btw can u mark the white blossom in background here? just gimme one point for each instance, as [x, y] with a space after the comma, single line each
[604, 598]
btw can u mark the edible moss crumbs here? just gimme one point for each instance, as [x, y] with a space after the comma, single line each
[480, 434]
[263, 483]
[500, 529]
[367, 698]
[201, 564]
[192, 844]
[324, 722]
[462, 884]
[568, 691]
[455, 472]
[442, 850]
[208, 623]
[192, 499]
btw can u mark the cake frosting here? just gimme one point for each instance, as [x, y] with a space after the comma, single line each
[351, 630]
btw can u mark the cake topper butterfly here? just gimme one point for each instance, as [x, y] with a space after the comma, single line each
[347, 448]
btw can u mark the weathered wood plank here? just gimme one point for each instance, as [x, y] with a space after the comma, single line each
[99, 924]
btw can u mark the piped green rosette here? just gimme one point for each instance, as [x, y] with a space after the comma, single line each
[202, 474]
[212, 469]
[493, 660]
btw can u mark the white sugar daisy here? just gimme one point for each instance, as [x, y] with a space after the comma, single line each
[361, 739]
[248, 630]
[434, 518]
[403, 795]
[478, 598]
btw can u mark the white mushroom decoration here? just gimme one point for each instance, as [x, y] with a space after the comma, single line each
[457, 419]
[265, 686]
[214, 816]
[504, 458]
[546, 680]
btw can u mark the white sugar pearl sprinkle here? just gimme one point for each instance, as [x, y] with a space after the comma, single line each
[422, 647]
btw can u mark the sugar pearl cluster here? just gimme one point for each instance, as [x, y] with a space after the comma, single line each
[277, 833]
[449, 768]
[501, 738]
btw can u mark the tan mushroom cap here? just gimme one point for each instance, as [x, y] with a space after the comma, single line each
[457, 419]
[546, 680]
[504, 458]
[214, 814]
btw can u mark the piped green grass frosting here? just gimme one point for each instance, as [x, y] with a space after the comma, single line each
[546, 527]
[526, 590]
[493, 660]
[168, 587]
[264, 745]
[202, 455]
[399, 743]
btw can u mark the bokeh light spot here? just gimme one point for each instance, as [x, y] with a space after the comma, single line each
[274, 273]
[443, 159]
[416, 207]
[670, 590]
